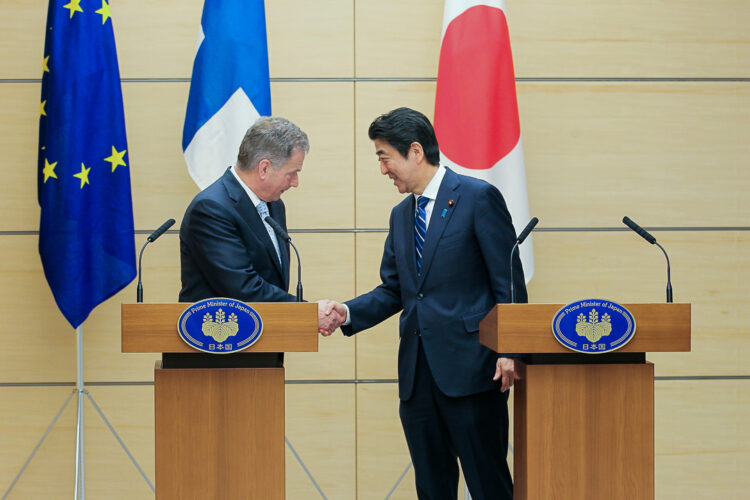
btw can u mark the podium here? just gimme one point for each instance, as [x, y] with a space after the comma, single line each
[584, 423]
[219, 418]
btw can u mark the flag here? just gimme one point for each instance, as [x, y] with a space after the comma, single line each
[476, 111]
[230, 87]
[86, 236]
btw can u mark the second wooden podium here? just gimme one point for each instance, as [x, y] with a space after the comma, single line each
[219, 418]
[584, 423]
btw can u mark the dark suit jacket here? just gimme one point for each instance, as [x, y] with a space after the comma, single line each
[225, 250]
[464, 274]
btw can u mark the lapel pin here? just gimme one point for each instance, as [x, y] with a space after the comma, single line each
[450, 203]
[445, 211]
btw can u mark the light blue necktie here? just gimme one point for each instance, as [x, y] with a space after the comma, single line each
[262, 209]
[420, 228]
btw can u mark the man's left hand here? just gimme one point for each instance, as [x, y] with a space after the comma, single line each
[506, 368]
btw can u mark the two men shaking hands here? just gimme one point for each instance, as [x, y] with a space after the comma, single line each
[444, 266]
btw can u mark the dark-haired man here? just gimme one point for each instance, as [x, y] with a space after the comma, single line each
[444, 266]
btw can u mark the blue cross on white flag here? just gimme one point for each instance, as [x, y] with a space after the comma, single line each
[230, 86]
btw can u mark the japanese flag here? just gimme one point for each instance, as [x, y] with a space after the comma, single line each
[476, 110]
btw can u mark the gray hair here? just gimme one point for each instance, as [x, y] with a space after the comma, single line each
[271, 138]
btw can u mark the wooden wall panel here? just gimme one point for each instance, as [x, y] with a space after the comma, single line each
[19, 139]
[310, 39]
[666, 154]
[702, 439]
[328, 272]
[708, 270]
[25, 414]
[109, 472]
[636, 39]
[320, 425]
[40, 345]
[156, 39]
[375, 194]
[397, 38]
[382, 454]
[324, 198]
[162, 188]
[22, 44]
[377, 348]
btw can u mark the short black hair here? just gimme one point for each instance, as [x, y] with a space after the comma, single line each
[401, 127]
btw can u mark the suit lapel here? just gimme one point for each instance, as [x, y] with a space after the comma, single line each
[249, 214]
[445, 204]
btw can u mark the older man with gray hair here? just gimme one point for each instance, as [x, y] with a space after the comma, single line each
[226, 247]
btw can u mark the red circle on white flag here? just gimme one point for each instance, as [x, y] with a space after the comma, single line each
[476, 111]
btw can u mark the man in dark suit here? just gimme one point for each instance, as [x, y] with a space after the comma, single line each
[226, 247]
[444, 265]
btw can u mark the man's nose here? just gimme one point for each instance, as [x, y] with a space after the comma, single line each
[383, 170]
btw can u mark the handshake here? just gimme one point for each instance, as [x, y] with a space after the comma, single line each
[331, 315]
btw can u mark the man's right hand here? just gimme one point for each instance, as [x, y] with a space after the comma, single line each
[331, 315]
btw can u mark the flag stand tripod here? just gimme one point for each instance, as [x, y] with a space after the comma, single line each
[80, 391]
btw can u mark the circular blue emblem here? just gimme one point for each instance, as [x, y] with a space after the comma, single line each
[220, 326]
[593, 326]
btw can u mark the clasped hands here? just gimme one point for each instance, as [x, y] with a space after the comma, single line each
[331, 315]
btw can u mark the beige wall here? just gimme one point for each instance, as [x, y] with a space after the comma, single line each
[637, 108]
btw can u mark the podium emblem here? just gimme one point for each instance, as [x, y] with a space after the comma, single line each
[220, 326]
[593, 326]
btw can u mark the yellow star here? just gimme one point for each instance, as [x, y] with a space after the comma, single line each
[104, 11]
[49, 170]
[45, 65]
[73, 6]
[83, 175]
[116, 158]
[41, 108]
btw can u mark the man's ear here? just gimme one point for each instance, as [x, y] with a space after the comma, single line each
[263, 167]
[415, 149]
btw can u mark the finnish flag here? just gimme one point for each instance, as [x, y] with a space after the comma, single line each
[230, 86]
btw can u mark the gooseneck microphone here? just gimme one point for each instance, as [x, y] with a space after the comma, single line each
[648, 237]
[521, 237]
[285, 236]
[152, 237]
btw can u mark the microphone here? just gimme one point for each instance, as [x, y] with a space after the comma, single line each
[648, 237]
[521, 237]
[152, 237]
[161, 230]
[285, 236]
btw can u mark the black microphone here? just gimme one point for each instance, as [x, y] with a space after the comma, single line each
[521, 237]
[285, 236]
[648, 237]
[161, 230]
[638, 229]
[527, 230]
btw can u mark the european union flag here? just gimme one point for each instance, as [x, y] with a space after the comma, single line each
[230, 87]
[86, 236]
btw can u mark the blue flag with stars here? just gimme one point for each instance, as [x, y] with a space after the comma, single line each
[230, 86]
[86, 236]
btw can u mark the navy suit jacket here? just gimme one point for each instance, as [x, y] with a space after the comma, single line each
[225, 250]
[464, 274]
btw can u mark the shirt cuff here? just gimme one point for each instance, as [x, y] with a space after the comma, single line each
[348, 320]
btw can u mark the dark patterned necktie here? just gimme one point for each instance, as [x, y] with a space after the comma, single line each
[420, 228]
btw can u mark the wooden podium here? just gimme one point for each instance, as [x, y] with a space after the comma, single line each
[584, 423]
[219, 418]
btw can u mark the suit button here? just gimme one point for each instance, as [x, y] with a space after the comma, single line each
[420, 296]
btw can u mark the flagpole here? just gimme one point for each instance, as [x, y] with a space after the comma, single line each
[80, 483]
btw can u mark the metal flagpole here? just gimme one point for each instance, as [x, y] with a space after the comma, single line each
[80, 483]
